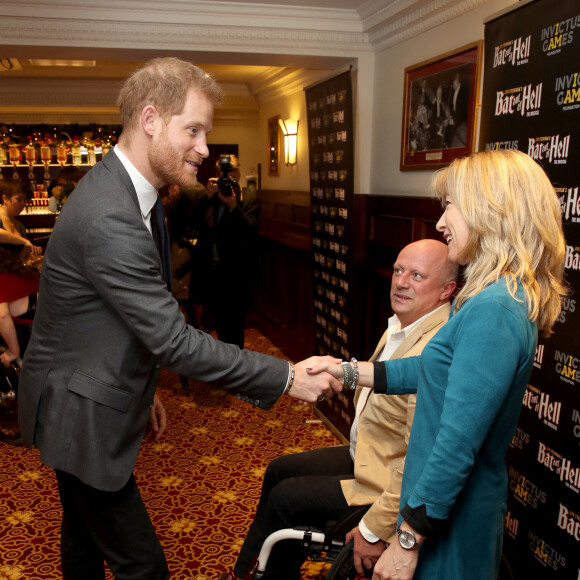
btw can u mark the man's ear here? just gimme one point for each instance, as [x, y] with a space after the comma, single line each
[150, 119]
[448, 289]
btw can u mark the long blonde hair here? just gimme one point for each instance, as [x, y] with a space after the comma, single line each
[515, 224]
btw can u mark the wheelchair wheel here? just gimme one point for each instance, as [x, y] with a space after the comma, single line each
[343, 566]
[9, 376]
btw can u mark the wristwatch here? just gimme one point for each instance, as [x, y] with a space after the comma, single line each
[407, 539]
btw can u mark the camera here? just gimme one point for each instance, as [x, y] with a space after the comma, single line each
[227, 185]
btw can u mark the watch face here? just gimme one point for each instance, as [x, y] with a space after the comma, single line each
[407, 539]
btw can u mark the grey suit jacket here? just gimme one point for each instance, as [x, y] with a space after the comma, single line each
[104, 325]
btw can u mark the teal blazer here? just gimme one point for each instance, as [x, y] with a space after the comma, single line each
[470, 381]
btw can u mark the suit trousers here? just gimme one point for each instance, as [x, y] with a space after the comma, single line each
[302, 489]
[226, 304]
[99, 526]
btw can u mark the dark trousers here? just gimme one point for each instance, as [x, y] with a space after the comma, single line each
[302, 489]
[226, 304]
[99, 526]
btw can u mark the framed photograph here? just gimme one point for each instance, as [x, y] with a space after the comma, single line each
[439, 107]
[273, 146]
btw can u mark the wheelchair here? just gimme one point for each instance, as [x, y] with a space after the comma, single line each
[326, 545]
[330, 546]
[9, 379]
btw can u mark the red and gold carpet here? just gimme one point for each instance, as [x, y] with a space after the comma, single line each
[201, 483]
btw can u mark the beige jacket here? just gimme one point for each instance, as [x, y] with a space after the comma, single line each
[383, 436]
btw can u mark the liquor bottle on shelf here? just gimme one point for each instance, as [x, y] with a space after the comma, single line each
[61, 153]
[91, 156]
[30, 152]
[30, 157]
[3, 155]
[46, 158]
[14, 154]
[76, 151]
[105, 146]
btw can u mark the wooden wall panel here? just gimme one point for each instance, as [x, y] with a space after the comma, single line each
[283, 302]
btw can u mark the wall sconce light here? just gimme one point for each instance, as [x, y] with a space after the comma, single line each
[290, 130]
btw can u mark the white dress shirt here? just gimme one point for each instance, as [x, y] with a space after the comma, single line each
[146, 193]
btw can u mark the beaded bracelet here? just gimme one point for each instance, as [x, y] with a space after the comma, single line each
[355, 372]
[350, 375]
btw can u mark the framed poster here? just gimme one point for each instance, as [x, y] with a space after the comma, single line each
[439, 108]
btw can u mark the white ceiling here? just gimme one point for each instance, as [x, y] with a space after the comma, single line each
[256, 50]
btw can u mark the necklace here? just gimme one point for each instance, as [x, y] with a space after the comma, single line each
[10, 224]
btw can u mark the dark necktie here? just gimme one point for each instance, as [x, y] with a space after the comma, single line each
[163, 237]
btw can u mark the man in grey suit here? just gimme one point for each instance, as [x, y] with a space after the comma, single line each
[106, 323]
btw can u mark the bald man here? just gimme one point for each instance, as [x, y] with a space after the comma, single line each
[316, 487]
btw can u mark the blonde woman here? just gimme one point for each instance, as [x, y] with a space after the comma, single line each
[502, 222]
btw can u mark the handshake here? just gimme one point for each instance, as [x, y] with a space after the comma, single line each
[319, 377]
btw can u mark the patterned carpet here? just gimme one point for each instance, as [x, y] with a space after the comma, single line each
[201, 483]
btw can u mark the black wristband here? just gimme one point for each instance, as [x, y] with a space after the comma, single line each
[380, 378]
[418, 519]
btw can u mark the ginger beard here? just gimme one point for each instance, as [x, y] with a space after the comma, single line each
[169, 164]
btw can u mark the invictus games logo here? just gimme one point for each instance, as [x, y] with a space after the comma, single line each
[500, 145]
[567, 367]
[569, 522]
[520, 439]
[553, 149]
[513, 52]
[567, 89]
[548, 411]
[558, 35]
[568, 306]
[526, 101]
[576, 421]
[572, 261]
[545, 554]
[569, 202]
[524, 490]
[511, 525]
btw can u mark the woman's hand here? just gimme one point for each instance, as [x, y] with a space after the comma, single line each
[35, 250]
[29, 249]
[396, 563]
[7, 357]
[320, 364]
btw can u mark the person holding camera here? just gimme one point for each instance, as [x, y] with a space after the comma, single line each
[223, 277]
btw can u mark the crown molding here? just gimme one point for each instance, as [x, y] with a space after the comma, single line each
[210, 26]
[191, 13]
[301, 44]
[41, 32]
[415, 18]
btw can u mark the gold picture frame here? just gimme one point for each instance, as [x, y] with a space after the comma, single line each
[439, 107]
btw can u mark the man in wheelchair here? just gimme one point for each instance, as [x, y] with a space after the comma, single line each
[316, 487]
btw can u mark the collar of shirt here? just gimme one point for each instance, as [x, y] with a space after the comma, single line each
[396, 335]
[146, 193]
